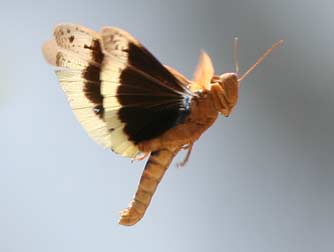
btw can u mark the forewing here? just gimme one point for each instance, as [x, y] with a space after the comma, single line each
[204, 71]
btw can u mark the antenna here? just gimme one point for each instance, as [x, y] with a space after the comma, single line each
[278, 43]
[235, 54]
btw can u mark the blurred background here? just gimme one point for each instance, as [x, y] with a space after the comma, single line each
[260, 180]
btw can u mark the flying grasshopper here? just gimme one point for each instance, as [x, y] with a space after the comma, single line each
[129, 102]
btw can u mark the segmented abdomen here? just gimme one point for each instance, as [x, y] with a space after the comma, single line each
[154, 170]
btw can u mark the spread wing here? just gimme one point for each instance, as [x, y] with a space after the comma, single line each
[203, 73]
[118, 90]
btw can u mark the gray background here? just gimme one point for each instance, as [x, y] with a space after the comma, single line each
[261, 180]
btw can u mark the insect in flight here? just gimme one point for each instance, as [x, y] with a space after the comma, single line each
[129, 102]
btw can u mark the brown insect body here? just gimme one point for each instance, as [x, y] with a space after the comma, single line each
[215, 94]
[221, 96]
